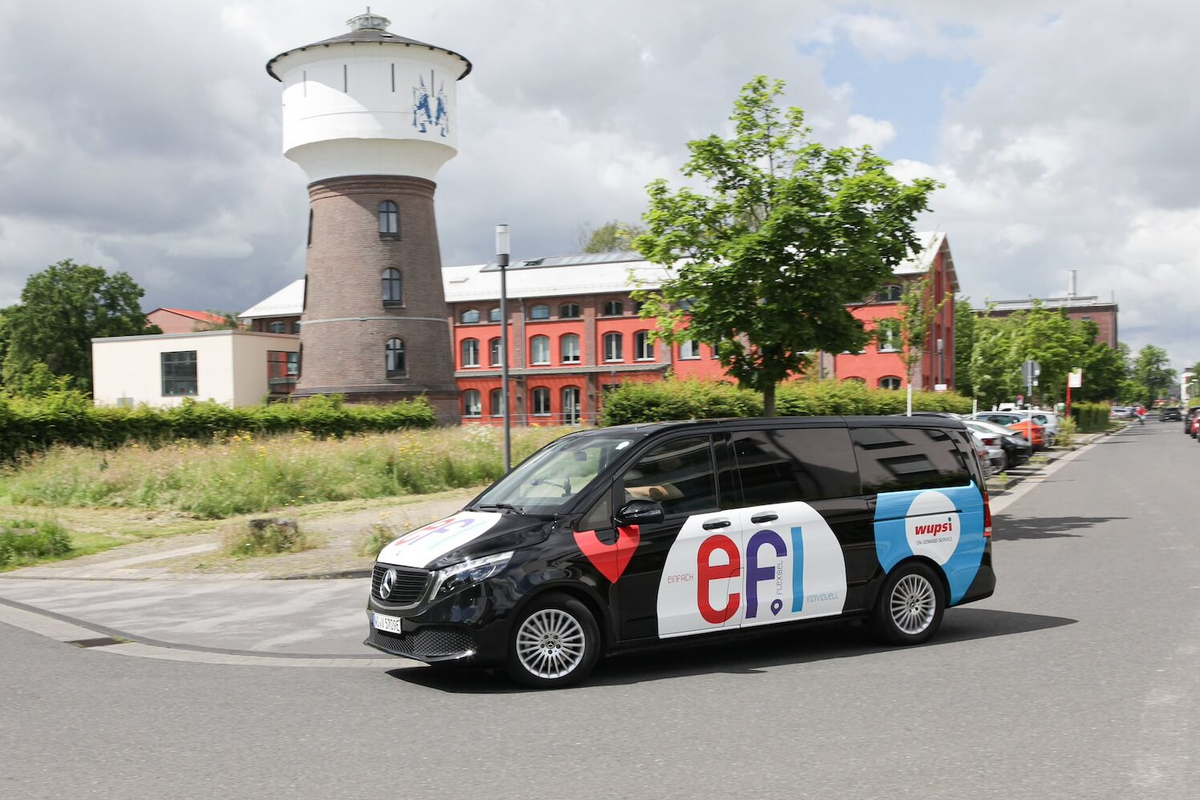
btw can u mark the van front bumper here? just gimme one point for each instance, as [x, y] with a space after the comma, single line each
[464, 627]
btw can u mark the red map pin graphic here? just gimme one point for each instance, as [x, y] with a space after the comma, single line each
[610, 559]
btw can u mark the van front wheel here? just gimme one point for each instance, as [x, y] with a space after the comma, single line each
[554, 643]
[911, 605]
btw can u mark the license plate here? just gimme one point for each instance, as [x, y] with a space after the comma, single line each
[383, 622]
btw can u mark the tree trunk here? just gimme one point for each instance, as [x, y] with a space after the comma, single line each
[769, 400]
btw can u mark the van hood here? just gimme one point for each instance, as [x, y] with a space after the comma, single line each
[464, 535]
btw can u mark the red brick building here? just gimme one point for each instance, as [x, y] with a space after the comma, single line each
[182, 320]
[574, 333]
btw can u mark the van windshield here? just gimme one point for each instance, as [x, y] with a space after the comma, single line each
[549, 479]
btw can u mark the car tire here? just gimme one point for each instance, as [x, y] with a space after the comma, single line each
[555, 642]
[910, 605]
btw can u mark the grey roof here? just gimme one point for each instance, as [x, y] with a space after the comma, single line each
[367, 36]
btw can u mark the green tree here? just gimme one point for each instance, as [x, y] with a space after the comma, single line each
[787, 234]
[918, 310]
[229, 321]
[964, 345]
[610, 237]
[62, 309]
[1151, 374]
[1103, 367]
[995, 368]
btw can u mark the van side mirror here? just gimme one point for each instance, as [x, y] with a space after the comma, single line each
[640, 512]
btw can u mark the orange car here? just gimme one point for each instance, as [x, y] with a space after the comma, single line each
[1036, 434]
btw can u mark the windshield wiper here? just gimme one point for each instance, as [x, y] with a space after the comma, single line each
[498, 507]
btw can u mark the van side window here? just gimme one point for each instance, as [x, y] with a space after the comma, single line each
[898, 459]
[782, 466]
[678, 474]
[599, 516]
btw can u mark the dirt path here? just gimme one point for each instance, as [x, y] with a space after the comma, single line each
[338, 528]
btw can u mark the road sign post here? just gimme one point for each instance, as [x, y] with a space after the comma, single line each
[1074, 381]
[1030, 370]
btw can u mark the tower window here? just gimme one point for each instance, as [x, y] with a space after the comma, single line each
[310, 223]
[394, 352]
[345, 78]
[393, 287]
[389, 218]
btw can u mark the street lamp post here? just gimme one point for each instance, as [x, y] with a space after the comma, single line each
[502, 252]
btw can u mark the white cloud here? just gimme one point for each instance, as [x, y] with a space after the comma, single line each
[864, 130]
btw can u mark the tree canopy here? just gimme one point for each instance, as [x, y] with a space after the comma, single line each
[786, 233]
[610, 237]
[61, 310]
[1151, 376]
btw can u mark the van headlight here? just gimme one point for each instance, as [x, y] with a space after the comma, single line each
[459, 576]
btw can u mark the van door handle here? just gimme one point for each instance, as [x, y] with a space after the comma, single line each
[760, 518]
[713, 524]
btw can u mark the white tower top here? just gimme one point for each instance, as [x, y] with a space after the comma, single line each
[369, 102]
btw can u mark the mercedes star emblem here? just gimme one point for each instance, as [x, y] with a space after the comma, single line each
[385, 586]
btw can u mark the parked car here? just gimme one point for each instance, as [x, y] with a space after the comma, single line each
[1188, 416]
[1016, 447]
[1170, 414]
[990, 453]
[1195, 432]
[613, 539]
[1014, 421]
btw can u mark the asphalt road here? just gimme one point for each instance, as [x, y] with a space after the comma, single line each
[1080, 678]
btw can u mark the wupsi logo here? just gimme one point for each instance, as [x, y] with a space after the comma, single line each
[933, 526]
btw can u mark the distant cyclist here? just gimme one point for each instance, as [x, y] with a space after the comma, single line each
[1141, 415]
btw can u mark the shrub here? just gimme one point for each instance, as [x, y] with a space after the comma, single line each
[263, 537]
[70, 418]
[1066, 433]
[695, 399]
[25, 541]
[375, 538]
[1090, 417]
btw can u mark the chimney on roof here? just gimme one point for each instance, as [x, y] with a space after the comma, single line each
[1071, 284]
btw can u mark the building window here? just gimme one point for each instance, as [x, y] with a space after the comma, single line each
[853, 379]
[296, 327]
[638, 305]
[612, 347]
[568, 311]
[469, 317]
[494, 352]
[571, 407]
[689, 350]
[569, 348]
[179, 374]
[393, 287]
[277, 327]
[389, 218]
[687, 304]
[889, 294]
[887, 335]
[539, 402]
[470, 352]
[539, 350]
[890, 382]
[395, 358]
[643, 348]
[494, 314]
[614, 308]
[495, 403]
[471, 403]
[310, 222]
[282, 370]
[539, 312]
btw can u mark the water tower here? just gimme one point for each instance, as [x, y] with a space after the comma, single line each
[370, 117]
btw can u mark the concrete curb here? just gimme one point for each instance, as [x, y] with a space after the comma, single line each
[80, 633]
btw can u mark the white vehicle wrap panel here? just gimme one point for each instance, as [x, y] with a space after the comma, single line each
[782, 569]
[419, 547]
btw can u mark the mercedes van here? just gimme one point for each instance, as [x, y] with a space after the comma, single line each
[619, 538]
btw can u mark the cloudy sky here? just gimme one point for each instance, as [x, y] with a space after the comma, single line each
[145, 136]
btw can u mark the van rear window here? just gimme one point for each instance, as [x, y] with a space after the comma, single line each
[897, 459]
[782, 466]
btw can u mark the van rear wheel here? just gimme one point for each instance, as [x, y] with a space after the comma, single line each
[554, 643]
[910, 606]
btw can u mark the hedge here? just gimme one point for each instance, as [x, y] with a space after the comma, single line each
[1090, 417]
[70, 418]
[696, 399]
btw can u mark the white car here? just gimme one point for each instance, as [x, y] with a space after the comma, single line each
[991, 456]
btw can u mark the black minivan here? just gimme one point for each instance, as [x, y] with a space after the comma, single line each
[612, 539]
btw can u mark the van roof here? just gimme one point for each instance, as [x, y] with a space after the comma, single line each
[754, 423]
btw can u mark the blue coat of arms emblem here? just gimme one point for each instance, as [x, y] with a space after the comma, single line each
[429, 108]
